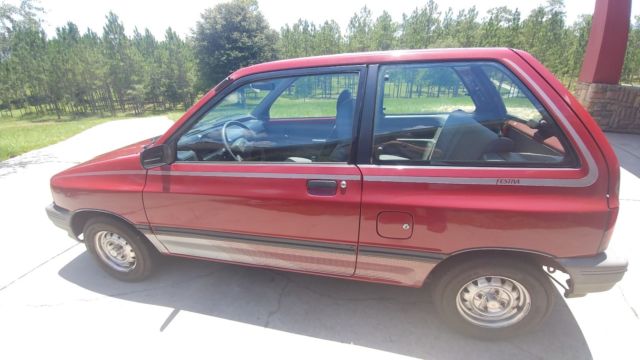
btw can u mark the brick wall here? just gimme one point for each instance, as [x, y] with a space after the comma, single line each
[614, 107]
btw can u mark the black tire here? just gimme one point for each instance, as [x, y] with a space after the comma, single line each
[145, 256]
[450, 281]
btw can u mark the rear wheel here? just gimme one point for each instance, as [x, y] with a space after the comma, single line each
[119, 250]
[493, 298]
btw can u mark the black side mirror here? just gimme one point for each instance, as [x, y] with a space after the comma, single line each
[157, 155]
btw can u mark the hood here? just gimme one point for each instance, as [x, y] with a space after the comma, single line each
[132, 149]
[125, 158]
[117, 173]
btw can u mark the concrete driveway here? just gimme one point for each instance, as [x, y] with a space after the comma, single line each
[55, 301]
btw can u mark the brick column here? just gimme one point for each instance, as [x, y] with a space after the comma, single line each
[604, 56]
[614, 107]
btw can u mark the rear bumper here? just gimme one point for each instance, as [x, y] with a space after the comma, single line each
[61, 218]
[592, 274]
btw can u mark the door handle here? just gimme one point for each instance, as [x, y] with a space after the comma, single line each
[322, 187]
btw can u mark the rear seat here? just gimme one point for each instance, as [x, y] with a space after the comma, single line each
[463, 139]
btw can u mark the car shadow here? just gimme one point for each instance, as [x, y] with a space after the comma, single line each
[627, 149]
[389, 318]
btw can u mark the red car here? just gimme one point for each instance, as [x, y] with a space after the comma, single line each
[474, 169]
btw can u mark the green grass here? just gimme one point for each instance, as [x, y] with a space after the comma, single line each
[310, 107]
[21, 134]
[314, 107]
[174, 115]
[290, 107]
[427, 105]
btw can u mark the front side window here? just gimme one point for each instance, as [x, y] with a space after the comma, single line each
[301, 119]
[463, 114]
[313, 96]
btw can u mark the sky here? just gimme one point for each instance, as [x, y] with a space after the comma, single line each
[182, 15]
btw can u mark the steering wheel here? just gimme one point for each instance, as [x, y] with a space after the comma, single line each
[225, 138]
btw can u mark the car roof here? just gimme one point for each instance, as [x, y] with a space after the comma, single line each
[377, 57]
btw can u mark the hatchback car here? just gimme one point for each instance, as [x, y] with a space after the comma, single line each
[474, 169]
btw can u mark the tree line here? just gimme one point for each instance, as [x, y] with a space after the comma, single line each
[81, 73]
[88, 73]
[544, 32]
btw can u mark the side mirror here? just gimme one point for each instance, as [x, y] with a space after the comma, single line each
[157, 155]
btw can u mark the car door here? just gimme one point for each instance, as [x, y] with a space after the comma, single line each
[284, 193]
[496, 172]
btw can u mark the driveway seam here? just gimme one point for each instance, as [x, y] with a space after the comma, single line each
[633, 310]
[37, 267]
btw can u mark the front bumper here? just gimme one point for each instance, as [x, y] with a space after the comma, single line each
[592, 274]
[61, 218]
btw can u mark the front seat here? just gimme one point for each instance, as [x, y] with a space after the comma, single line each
[344, 116]
[343, 127]
[339, 141]
[463, 139]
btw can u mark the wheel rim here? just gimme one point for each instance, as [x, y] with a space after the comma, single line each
[493, 301]
[115, 251]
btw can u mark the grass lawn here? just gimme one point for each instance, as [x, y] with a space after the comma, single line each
[290, 107]
[174, 115]
[22, 134]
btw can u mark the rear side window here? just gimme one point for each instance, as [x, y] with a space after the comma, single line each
[463, 114]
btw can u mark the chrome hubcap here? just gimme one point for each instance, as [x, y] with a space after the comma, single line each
[115, 251]
[493, 301]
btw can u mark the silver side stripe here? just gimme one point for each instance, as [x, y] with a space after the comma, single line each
[451, 167]
[155, 241]
[108, 173]
[258, 175]
[265, 164]
[479, 181]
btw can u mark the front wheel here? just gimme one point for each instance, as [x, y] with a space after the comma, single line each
[493, 298]
[119, 250]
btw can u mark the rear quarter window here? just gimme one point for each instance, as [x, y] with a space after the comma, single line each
[516, 102]
[424, 90]
[463, 114]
